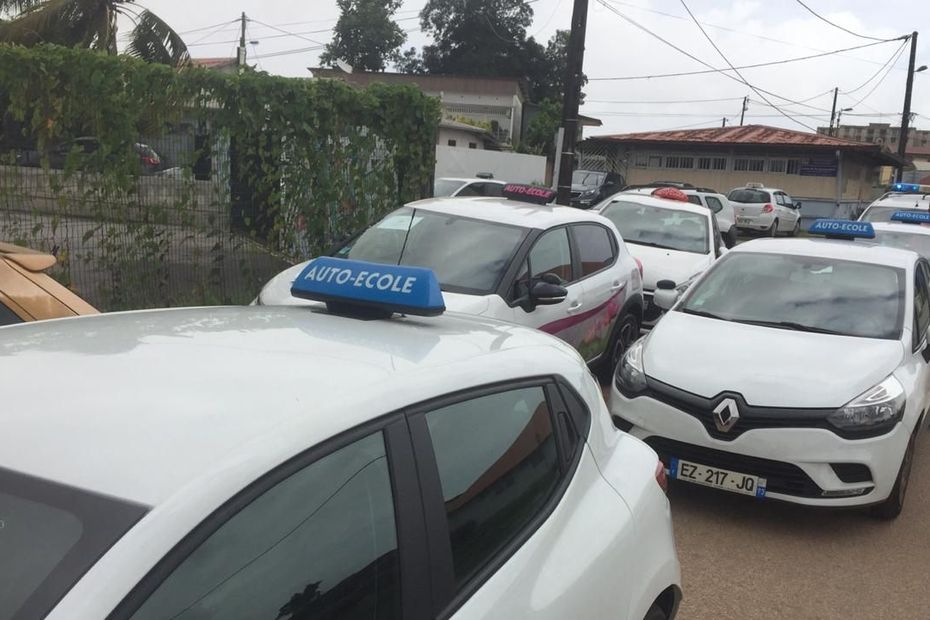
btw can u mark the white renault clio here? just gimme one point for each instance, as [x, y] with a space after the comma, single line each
[243, 463]
[564, 271]
[794, 369]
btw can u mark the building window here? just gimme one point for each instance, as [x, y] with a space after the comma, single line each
[704, 163]
[748, 165]
[641, 160]
[794, 166]
[472, 145]
[655, 161]
[675, 161]
[720, 163]
[777, 165]
[451, 143]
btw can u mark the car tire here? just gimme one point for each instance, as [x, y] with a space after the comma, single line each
[797, 228]
[655, 613]
[730, 238]
[625, 333]
[891, 507]
[773, 229]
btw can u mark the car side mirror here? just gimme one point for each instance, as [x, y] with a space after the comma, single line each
[666, 294]
[797, 205]
[546, 293]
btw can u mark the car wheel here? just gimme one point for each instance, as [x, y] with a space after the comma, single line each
[626, 332]
[797, 228]
[891, 507]
[655, 613]
[772, 230]
[730, 238]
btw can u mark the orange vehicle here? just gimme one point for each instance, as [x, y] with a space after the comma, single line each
[27, 293]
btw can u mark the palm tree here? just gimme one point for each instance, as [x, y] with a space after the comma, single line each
[91, 24]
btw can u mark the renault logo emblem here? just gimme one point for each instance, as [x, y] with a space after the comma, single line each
[726, 414]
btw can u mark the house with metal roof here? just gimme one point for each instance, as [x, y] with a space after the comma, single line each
[806, 165]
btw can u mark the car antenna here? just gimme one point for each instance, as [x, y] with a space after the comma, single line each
[403, 248]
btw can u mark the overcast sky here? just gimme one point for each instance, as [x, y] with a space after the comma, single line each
[747, 31]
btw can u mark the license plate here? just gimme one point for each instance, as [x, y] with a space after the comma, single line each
[717, 478]
[744, 220]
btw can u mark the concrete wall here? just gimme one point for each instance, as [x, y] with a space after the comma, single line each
[515, 167]
[462, 138]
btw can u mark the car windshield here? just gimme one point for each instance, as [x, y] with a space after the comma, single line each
[752, 196]
[446, 187]
[587, 178]
[883, 213]
[917, 242]
[50, 535]
[671, 229]
[804, 293]
[467, 255]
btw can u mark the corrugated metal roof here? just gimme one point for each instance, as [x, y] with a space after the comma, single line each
[747, 134]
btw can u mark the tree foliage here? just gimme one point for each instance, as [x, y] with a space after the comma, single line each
[91, 24]
[365, 36]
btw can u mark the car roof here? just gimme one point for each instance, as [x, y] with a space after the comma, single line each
[901, 200]
[137, 405]
[471, 180]
[704, 191]
[663, 203]
[506, 211]
[860, 250]
[764, 189]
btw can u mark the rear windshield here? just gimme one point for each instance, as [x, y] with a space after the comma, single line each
[884, 213]
[917, 242]
[752, 196]
[50, 535]
[802, 293]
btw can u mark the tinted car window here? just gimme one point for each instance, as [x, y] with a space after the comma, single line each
[921, 306]
[498, 465]
[714, 203]
[466, 254]
[321, 543]
[672, 229]
[473, 189]
[446, 187]
[594, 247]
[883, 214]
[493, 189]
[8, 317]
[695, 200]
[808, 293]
[908, 241]
[752, 196]
[551, 254]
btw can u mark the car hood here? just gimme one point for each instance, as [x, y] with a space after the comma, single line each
[769, 367]
[277, 292]
[659, 264]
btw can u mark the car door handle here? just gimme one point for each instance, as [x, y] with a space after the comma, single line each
[574, 306]
[617, 286]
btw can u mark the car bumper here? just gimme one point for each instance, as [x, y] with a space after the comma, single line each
[797, 462]
[760, 221]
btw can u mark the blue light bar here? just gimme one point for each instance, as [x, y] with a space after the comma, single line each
[908, 188]
[351, 285]
[911, 217]
[842, 229]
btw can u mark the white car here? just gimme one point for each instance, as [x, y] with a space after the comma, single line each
[674, 240]
[904, 196]
[723, 211]
[448, 187]
[765, 209]
[907, 229]
[562, 270]
[258, 462]
[819, 380]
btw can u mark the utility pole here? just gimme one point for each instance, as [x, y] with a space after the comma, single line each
[240, 51]
[742, 114]
[906, 114]
[836, 91]
[724, 122]
[571, 99]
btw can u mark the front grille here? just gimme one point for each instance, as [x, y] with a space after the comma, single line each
[750, 417]
[852, 472]
[783, 478]
[651, 312]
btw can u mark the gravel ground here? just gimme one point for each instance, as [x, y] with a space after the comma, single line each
[745, 559]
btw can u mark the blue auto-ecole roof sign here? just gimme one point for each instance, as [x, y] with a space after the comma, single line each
[390, 288]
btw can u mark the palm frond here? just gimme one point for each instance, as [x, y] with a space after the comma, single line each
[153, 40]
[82, 23]
[16, 7]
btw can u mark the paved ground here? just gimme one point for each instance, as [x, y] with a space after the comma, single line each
[743, 559]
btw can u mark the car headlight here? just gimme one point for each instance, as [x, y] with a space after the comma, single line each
[631, 378]
[878, 406]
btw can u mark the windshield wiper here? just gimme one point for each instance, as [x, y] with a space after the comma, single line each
[705, 314]
[651, 244]
[799, 327]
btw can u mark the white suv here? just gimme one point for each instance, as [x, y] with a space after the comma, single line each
[765, 209]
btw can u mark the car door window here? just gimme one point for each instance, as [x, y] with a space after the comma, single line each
[8, 317]
[471, 190]
[321, 543]
[594, 248]
[552, 254]
[695, 200]
[498, 465]
[494, 190]
[780, 198]
[714, 204]
[921, 305]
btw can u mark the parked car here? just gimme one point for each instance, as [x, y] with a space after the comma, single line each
[589, 187]
[673, 239]
[721, 207]
[765, 209]
[27, 293]
[562, 270]
[820, 382]
[467, 188]
[903, 196]
[241, 463]
[908, 230]
[150, 162]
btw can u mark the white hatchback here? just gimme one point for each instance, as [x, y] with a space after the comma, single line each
[820, 376]
[765, 209]
[722, 209]
[259, 462]
[562, 270]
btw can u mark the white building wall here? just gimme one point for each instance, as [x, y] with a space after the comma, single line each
[462, 138]
[513, 167]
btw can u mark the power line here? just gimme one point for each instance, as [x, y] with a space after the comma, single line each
[664, 102]
[282, 30]
[879, 82]
[752, 66]
[234, 21]
[891, 59]
[825, 20]
[730, 64]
